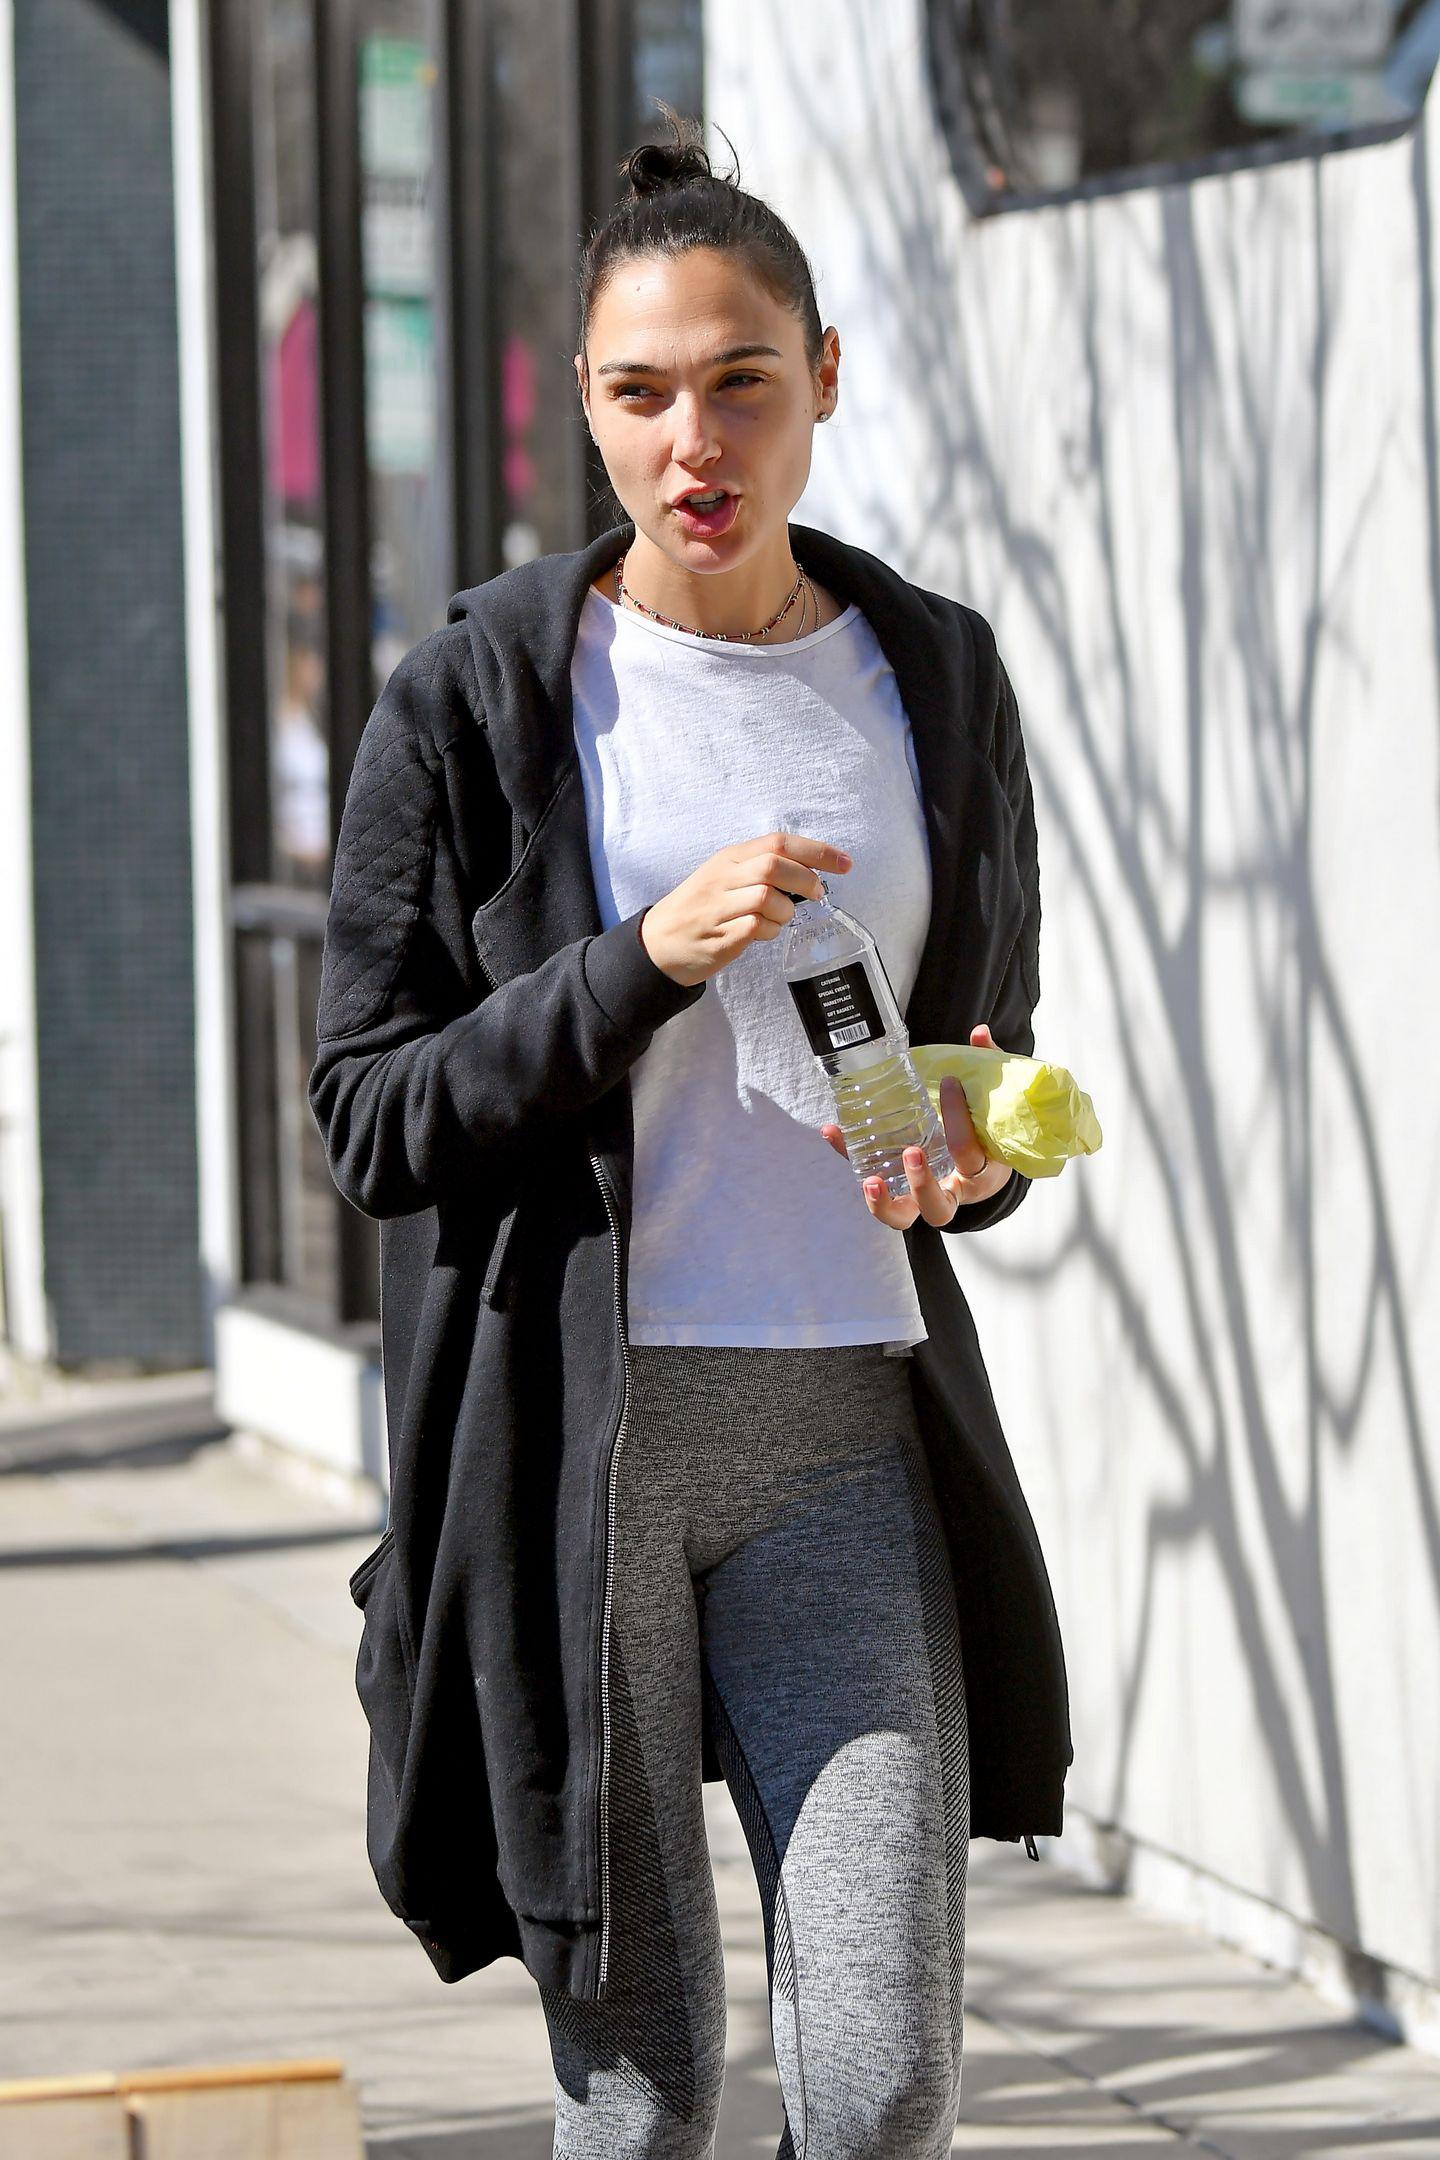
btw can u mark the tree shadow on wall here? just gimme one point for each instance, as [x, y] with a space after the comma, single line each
[1244, 1493]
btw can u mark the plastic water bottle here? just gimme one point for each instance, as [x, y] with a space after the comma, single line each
[842, 993]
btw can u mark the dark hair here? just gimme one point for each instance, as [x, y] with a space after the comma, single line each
[677, 202]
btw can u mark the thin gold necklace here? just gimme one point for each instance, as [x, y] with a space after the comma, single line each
[731, 637]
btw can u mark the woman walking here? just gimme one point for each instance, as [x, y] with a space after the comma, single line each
[695, 1470]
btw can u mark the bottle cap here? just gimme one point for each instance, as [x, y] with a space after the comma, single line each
[805, 899]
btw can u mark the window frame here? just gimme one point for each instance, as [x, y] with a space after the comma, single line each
[943, 72]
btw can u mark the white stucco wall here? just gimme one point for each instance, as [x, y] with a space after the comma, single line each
[1180, 446]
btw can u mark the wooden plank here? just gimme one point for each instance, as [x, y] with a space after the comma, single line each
[190, 2077]
[65, 2129]
[87, 2087]
[172, 2077]
[314, 2120]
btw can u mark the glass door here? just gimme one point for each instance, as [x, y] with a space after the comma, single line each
[335, 537]
[401, 187]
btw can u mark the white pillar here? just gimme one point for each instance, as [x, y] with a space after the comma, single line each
[26, 1316]
[209, 793]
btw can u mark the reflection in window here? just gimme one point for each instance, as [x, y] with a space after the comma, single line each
[290, 1224]
[535, 282]
[290, 387]
[668, 63]
[542, 434]
[1043, 95]
[399, 114]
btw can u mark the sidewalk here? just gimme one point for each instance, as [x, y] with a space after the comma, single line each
[183, 1873]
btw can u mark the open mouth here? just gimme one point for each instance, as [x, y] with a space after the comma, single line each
[706, 511]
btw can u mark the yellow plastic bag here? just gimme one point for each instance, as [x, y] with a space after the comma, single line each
[1025, 1112]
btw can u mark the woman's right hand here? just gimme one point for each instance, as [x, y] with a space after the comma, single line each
[737, 895]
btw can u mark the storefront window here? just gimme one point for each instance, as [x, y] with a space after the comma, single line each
[1040, 96]
[290, 393]
[407, 369]
[399, 116]
[540, 451]
[544, 448]
[288, 1197]
[667, 62]
[291, 1224]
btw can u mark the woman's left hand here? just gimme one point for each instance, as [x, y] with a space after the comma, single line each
[976, 1175]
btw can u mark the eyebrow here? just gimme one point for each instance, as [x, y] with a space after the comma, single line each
[720, 359]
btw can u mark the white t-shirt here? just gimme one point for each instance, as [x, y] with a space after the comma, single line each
[748, 1228]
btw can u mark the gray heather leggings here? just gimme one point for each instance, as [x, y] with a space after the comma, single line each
[780, 1571]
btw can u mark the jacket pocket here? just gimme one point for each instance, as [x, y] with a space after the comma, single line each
[365, 1574]
[385, 1684]
[387, 1653]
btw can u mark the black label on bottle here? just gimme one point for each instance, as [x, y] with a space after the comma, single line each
[838, 1009]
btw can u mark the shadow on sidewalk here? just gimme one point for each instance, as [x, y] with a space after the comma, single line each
[145, 1430]
[183, 1548]
[147, 1433]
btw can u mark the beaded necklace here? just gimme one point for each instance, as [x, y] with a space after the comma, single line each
[731, 637]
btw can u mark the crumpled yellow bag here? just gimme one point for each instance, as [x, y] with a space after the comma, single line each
[1026, 1112]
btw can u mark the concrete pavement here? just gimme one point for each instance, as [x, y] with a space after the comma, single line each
[183, 1874]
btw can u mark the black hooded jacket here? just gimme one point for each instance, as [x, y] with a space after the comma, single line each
[476, 1027]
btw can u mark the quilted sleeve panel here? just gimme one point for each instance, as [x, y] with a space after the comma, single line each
[429, 1087]
[383, 860]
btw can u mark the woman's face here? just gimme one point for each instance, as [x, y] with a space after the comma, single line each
[691, 418]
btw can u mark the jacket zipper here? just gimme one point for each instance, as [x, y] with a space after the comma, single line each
[604, 1827]
[495, 1267]
[610, 1211]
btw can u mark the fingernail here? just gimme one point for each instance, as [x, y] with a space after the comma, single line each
[874, 1187]
[915, 1157]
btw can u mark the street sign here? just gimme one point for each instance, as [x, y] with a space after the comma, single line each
[1314, 36]
[1346, 97]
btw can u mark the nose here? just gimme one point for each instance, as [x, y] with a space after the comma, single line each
[694, 438]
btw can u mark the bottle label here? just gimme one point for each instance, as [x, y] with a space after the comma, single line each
[838, 1009]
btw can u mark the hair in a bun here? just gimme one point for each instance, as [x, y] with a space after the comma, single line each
[677, 201]
[652, 166]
